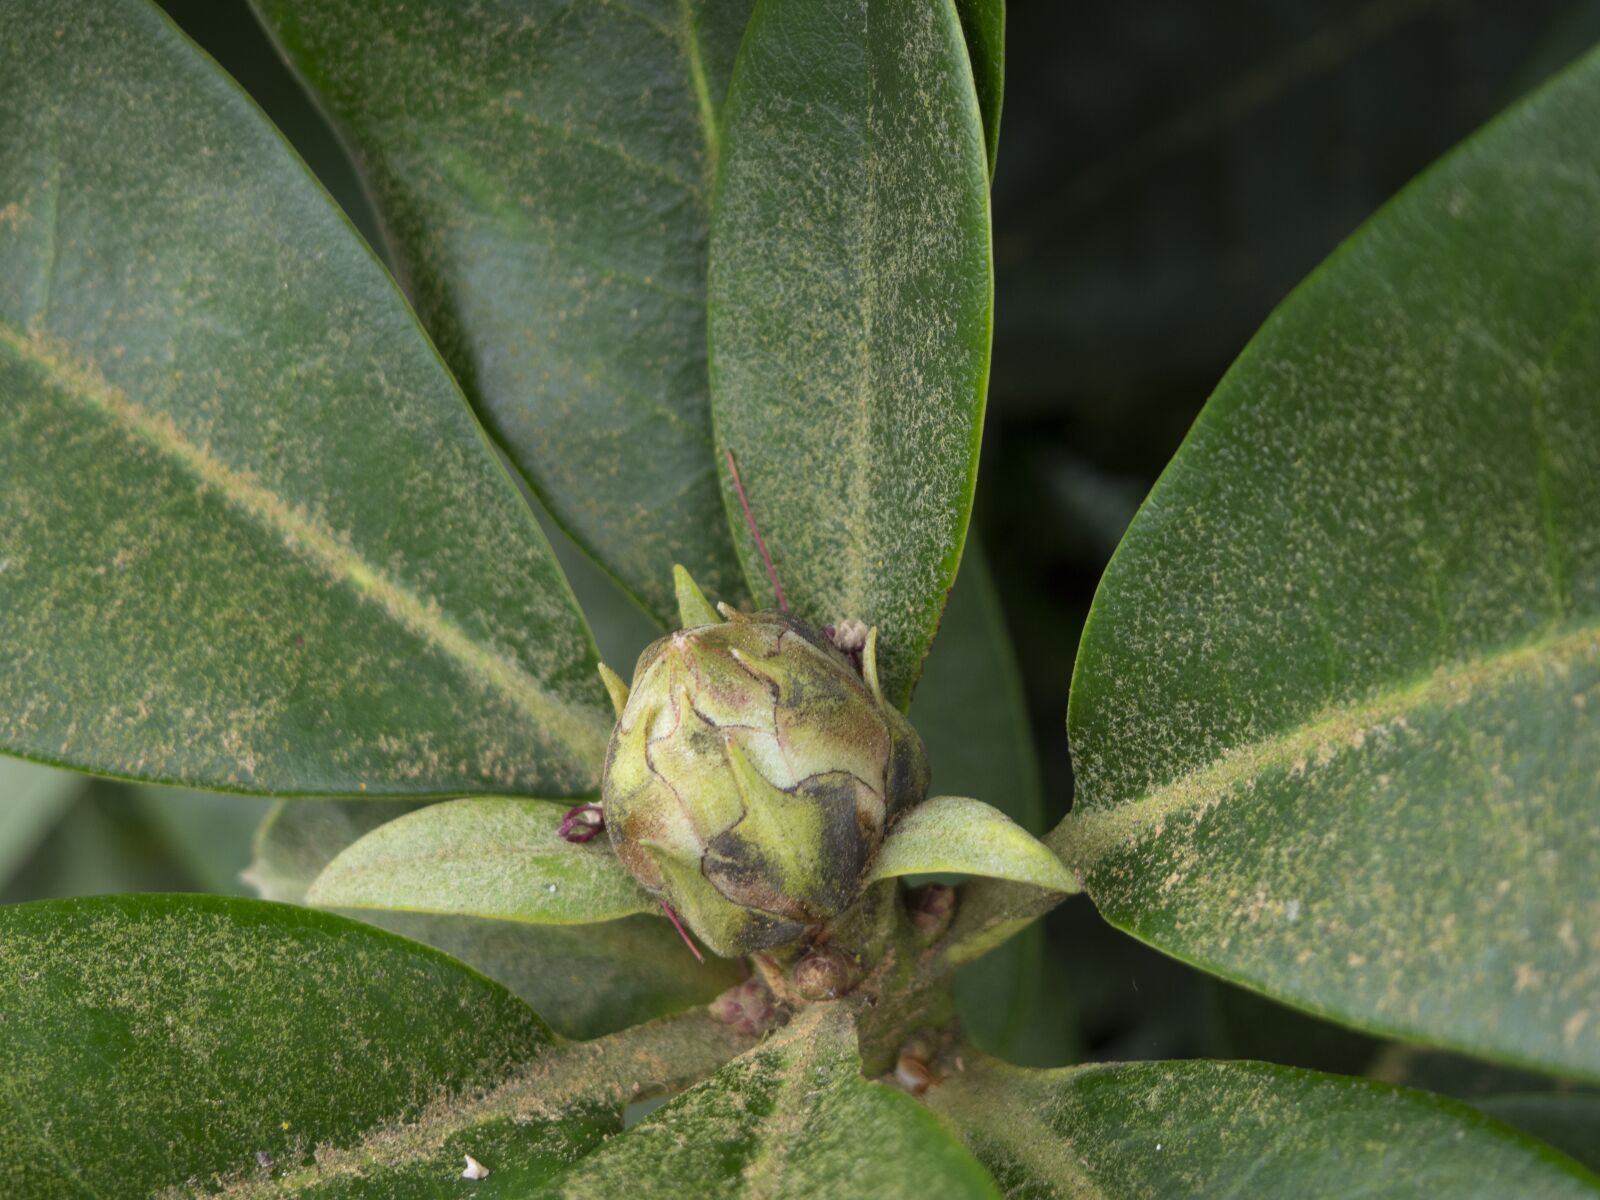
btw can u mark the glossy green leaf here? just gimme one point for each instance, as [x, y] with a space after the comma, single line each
[251, 537]
[1336, 717]
[520, 1156]
[1569, 1121]
[968, 837]
[483, 858]
[186, 1046]
[1218, 1128]
[545, 175]
[584, 980]
[159, 1041]
[850, 290]
[983, 22]
[791, 1118]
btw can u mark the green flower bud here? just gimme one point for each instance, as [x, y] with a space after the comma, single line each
[752, 773]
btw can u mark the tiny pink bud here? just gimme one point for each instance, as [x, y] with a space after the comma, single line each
[583, 823]
[747, 1006]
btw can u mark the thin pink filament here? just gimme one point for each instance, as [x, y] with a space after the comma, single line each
[750, 520]
[682, 932]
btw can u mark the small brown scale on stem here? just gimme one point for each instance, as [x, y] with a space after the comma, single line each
[913, 1074]
[926, 1059]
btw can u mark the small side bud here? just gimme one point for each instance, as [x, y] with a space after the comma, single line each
[582, 823]
[825, 973]
[931, 908]
[747, 1006]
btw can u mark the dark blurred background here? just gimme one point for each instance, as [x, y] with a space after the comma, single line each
[1168, 171]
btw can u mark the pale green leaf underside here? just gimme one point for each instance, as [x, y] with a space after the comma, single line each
[298, 838]
[495, 858]
[584, 980]
[968, 837]
[1118, 1130]
[544, 171]
[1336, 719]
[850, 290]
[791, 1118]
[251, 538]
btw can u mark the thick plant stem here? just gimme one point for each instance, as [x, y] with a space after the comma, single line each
[906, 992]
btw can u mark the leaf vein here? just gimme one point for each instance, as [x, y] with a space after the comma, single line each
[1090, 834]
[315, 543]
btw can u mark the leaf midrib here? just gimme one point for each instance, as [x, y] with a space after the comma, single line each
[1087, 836]
[314, 542]
[561, 1080]
[999, 1111]
[855, 596]
[764, 1175]
[705, 107]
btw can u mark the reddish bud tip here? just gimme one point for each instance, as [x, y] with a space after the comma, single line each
[583, 823]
